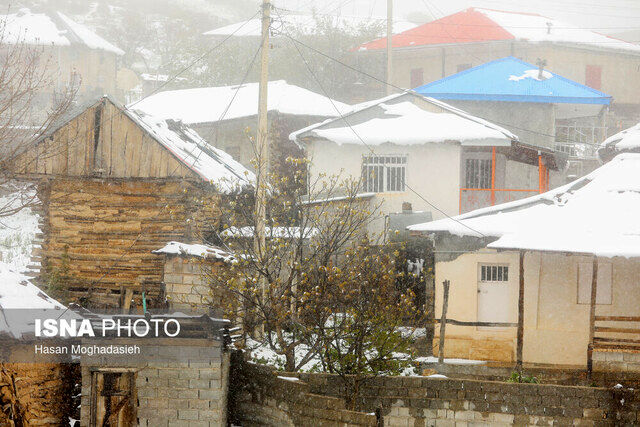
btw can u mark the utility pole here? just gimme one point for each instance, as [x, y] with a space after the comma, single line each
[262, 140]
[389, 45]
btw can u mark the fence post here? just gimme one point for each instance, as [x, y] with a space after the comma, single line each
[443, 320]
[592, 316]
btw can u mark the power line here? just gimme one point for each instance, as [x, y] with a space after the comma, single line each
[127, 250]
[364, 73]
[368, 146]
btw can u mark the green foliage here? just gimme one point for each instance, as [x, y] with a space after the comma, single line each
[56, 285]
[519, 377]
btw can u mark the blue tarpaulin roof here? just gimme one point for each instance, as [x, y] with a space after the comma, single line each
[513, 80]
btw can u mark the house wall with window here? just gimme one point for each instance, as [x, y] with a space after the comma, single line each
[615, 72]
[556, 304]
[432, 170]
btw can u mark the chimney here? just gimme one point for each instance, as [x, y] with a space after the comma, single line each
[406, 208]
[541, 63]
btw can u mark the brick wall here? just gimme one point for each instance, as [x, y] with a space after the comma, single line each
[430, 401]
[180, 393]
[258, 396]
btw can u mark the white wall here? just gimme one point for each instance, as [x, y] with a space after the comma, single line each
[433, 171]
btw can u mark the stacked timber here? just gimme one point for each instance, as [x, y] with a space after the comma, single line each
[99, 233]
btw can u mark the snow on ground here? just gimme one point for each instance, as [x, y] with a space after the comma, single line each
[261, 353]
[596, 214]
[17, 231]
[213, 104]
[433, 359]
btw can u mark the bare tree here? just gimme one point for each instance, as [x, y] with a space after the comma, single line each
[32, 101]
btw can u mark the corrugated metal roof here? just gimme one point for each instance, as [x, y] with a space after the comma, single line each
[512, 80]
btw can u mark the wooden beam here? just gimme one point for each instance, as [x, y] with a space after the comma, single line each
[443, 318]
[618, 318]
[520, 336]
[592, 316]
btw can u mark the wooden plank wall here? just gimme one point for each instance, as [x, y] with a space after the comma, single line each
[123, 150]
[108, 227]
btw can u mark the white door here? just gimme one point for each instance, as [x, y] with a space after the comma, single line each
[493, 293]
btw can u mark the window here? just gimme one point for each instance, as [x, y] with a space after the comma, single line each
[383, 173]
[603, 291]
[593, 76]
[478, 173]
[462, 67]
[494, 273]
[417, 77]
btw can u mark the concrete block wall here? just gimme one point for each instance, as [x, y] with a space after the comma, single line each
[258, 396]
[423, 401]
[616, 361]
[186, 284]
[180, 393]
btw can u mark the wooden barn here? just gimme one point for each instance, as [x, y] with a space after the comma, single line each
[116, 184]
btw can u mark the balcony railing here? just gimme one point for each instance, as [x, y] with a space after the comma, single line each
[579, 142]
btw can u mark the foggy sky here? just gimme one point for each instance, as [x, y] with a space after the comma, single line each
[606, 16]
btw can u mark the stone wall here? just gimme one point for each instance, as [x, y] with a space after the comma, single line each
[179, 393]
[258, 396]
[433, 401]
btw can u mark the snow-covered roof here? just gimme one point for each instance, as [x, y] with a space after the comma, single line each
[196, 250]
[50, 29]
[272, 232]
[210, 163]
[307, 24]
[399, 120]
[596, 214]
[475, 25]
[212, 104]
[627, 140]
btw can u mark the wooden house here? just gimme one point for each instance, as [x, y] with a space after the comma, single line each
[116, 184]
[550, 279]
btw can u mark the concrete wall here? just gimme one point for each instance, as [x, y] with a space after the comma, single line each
[619, 70]
[180, 393]
[556, 326]
[518, 117]
[433, 170]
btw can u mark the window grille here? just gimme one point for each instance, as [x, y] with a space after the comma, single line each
[478, 173]
[494, 273]
[383, 173]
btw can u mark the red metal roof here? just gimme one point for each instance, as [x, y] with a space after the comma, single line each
[467, 26]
